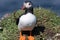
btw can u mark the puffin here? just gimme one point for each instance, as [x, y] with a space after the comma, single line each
[27, 21]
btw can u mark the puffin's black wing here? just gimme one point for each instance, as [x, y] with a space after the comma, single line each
[17, 21]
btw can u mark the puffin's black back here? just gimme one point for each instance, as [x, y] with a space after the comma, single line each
[17, 21]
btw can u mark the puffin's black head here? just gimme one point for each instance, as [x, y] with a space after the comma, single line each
[27, 5]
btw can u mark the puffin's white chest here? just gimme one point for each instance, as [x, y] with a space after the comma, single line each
[27, 20]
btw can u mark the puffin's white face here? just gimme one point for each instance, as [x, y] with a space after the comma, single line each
[27, 5]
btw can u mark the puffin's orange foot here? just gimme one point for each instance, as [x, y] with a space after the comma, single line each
[30, 38]
[22, 37]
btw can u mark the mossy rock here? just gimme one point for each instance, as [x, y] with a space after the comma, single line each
[44, 17]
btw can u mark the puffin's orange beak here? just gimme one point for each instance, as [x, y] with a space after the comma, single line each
[23, 8]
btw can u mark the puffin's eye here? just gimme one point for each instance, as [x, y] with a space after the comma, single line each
[29, 4]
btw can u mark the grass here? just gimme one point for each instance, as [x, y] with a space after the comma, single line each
[45, 17]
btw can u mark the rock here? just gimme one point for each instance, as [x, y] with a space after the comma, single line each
[5, 16]
[57, 36]
[0, 27]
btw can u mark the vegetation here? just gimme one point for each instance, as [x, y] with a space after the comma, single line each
[45, 17]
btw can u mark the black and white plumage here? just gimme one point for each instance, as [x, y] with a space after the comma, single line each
[28, 19]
